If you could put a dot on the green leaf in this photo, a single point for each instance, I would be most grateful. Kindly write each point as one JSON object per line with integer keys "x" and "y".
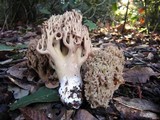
{"x": 90, "y": 25}
{"x": 44, "y": 11}
{"x": 4, "y": 47}
{"x": 114, "y": 7}
{"x": 42, "y": 95}
{"x": 20, "y": 46}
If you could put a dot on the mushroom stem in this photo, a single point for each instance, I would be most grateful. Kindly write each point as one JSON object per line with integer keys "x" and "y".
{"x": 69, "y": 76}
{"x": 71, "y": 91}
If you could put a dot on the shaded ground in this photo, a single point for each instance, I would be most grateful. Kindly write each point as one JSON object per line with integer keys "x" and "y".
{"x": 138, "y": 98}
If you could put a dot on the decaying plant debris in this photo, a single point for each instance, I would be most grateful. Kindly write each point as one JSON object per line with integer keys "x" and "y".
{"x": 138, "y": 99}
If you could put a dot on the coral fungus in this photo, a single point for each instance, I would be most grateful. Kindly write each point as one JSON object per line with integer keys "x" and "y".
{"x": 66, "y": 43}
{"x": 103, "y": 75}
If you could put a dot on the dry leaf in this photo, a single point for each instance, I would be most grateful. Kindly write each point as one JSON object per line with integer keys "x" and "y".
{"x": 6, "y": 61}
{"x": 138, "y": 74}
{"x": 17, "y": 73}
{"x": 142, "y": 20}
{"x": 33, "y": 114}
{"x": 136, "y": 108}
{"x": 20, "y": 117}
{"x": 84, "y": 115}
{"x": 141, "y": 10}
{"x": 138, "y": 104}
{"x": 54, "y": 111}
{"x": 29, "y": 34}
{"x": 67, "y": 115}
{"x": 18, "y": 70}
{"x": 22, "y": 84}
{"x": 150, "y": 56}
{"x": 18, "y": 92}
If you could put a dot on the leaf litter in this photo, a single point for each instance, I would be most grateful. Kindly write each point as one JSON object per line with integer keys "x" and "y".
{"x": 138, "y": 74}
{"x": 138, "y": 98}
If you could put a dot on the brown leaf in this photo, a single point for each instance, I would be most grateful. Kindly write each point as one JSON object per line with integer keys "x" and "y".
{"x": 6, "y": 61}
{"x": 67, "y": 115}
{"x": 17, "y": 73}
{"x": 3, "y": 55}
{"x": 22, "y": 84}
{"x": 139, "y": 104}
{"x": 141, "y": 10}
{"x": 138, "y": 74}
{"x": 137, "y": 108}
{"x": 54, "y": 111}
{"x": 29, "y": 34}
{"x": 142, "y": 20}
{"x": 18, "y": 70}
{"x": 33, "y": 114}
{"x": 84, "y": 115}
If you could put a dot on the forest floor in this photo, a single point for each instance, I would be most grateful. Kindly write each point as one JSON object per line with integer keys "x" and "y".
{"x": 138, "y": 98}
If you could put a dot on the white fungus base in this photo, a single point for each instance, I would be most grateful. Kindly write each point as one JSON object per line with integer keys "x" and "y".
{"x": 71, "y": 91}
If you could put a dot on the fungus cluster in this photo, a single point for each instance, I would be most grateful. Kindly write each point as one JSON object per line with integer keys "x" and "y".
{"x": 67, "y": 44}
{"x": 62, "y": 49}
{"x": 103, "y": 75}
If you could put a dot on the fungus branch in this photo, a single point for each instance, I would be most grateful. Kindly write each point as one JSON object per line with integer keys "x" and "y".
{"x": 68, "y": 45}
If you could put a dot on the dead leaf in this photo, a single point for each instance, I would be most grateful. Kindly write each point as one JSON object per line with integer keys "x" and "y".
{"x": 138, "y": 104}
{"x": 4, "y": 55}
{"x": 142, "y": 20}
{"x": 17, "y": 73}
{"x": 20, "y": 117}
{"x": 136, "y": 108}
{"x": 67, "y": 115}
{"x": 18, "y": 70}
{"x": 84, "y": 115}
{"x": 141, "y": 10}
{"x": 18, "y": 92}
{"x": 22, "y": 84}
{"x": 150, "y": 56}
{"x": 138, "y": 74}
{"x": 29, "y": 34}
{"x": 54, "y": 111}
{"x": 33, "y": 114}
{"x": 132, "y": 114}
{"x": 6, "y": 61}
